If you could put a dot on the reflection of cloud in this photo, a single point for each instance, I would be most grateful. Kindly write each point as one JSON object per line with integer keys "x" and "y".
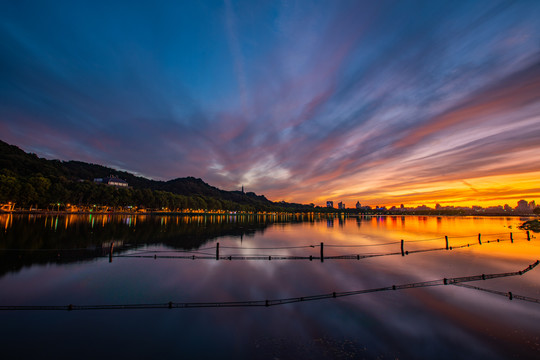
{"x": 356, "y": 101}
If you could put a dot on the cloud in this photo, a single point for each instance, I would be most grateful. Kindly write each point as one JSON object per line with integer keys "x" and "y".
{"x": 301, "y": 101}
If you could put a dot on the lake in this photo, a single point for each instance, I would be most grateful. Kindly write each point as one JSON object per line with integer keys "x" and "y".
{"x": 50, "y": 261}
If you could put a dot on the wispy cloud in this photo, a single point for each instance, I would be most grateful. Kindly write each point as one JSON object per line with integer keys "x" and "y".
{"x": 379, "y": 102}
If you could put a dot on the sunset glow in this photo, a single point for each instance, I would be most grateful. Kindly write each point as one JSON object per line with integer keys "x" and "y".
{"x": 385, "y": 103}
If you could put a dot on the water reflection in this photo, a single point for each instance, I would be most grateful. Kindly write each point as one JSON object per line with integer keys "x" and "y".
{"x": 443, "y": 322}
{"x": 29, "y": 239}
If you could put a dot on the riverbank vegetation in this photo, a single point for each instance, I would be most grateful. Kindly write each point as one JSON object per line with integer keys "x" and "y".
{"x": 31, "y": 182}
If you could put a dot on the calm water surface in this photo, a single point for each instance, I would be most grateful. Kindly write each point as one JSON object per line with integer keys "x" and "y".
{"x": 65, "y": 260}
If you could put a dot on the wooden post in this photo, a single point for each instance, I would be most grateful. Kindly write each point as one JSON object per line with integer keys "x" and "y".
{"x": 511, "y": 238}
{"x": 480, "y": 239}
{"x": 446, "y": 237}
{"x": 402, "y": 253}
{"x": 528, "y": 236}
{"x": 111, "y": 252}
{"x": 322, "y": 252}
{"x": 217, "y": 251}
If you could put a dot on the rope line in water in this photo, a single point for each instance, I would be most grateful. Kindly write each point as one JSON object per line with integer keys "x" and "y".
{"x": 475, "y": 235}
{"x": 260, "y": 257}
{"x": 275, "y": 302}
{"x": 362, "y": 245}
{"x": 201, "y": 251}
{"x": 311, "y": 258}
{"x": 509, "y": 294}
{"x": 442, "y": 238}
{"x": 199, "y": 254}
{"x": 269, "y": 248}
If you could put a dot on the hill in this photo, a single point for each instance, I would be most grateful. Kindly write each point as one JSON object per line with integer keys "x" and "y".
{"x": 31, "y": 181}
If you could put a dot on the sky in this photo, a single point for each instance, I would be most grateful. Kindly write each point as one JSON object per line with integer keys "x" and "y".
{"x": 381, "y": 102}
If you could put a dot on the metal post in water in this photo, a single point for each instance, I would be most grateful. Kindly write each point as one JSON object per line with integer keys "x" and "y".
{"x": 511, "y": 238}
{"x": 528, "y": 236}
{"x": 322, "y": 252}
{"x": 217, "y": 251}
{"x": 402, "y": 252}
{"x": 480, "y": 239}
{"x": 111, "y": 251}
{"x": 446, "y": 237}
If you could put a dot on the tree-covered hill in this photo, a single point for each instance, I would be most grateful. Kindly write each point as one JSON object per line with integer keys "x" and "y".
{"x": 29, "y": 181}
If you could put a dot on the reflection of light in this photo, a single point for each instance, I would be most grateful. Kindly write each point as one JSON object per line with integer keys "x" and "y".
{"x": 460, "y": 231}
{"x": 6, "y": 220}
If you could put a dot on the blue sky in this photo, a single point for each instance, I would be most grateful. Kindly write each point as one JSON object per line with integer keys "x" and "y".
{"x": 383, "y": 102}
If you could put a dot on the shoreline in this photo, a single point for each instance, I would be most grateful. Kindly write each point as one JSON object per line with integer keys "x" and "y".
{"x": 235, "y": 213}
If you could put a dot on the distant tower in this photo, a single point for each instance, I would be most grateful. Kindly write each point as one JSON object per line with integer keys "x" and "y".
{"x": 243, "y": 189}
{"x": 329, "y": 204}
{"x": 358, "y": 206}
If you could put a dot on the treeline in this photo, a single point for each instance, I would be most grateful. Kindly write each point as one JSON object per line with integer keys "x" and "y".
{"x": 29, "y": 181}
{"x": 42, "y": 192}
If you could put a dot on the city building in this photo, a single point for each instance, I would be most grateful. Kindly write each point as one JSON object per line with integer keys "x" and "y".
{"x": 341, "y": 206}
{"x": 522, "y": 205}
{"x": 358, "y": 206}
{"x": 329, "y": 204}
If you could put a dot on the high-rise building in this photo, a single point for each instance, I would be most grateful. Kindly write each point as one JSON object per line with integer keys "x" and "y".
{"x": 341, "y": 206}
{"x": 329, "y": 204}
{"x": 358, "y": 206}
{"x": 522, "y": 205}
{"x": 532, "y": 205}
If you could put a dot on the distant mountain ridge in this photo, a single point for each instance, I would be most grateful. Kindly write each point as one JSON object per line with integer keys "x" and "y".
{"x": 26, "y": 167}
